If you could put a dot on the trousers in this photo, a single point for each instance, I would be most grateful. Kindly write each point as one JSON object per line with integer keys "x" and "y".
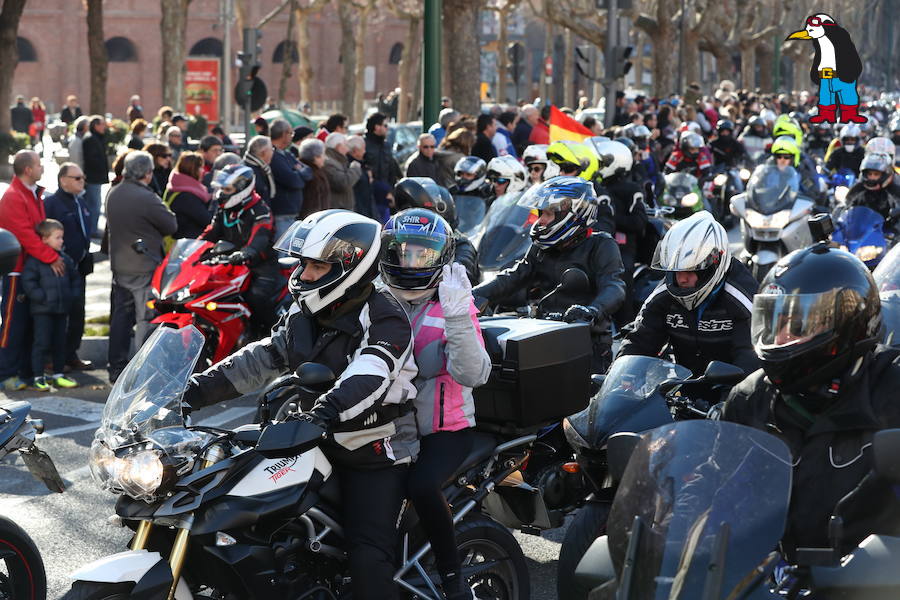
{"x": 15, "y": 331}
{"x": 128, "y": 308}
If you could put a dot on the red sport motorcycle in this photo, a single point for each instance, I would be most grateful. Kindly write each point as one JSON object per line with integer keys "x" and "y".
{"x": 196, "y": 285}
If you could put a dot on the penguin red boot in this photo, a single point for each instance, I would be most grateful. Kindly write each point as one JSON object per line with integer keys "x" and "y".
{"x": 850, "y": 114}
{"x": 827, "y": 114}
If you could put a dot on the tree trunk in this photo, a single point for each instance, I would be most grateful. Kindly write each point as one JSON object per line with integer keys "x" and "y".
{"x": 801, "y": 74}
{"x": 173, "y": 28}
{"x": 288, "y": 55}
{"x": 663, "y": 42}
{"x": 359, "y": 96}
{"x": 97, "y": 55}
{"x": 748, "y": 62}
{"x": 10, "y": 15}
{"x": 723, "y": 64}
{"x": 348, "y": 57}
{"x": 548, "y": 51}
{"x": 409, "y": 89}
{"x": 691, "y": 57}
{"x": 304, "y": 67}
{"x": 461, "y": 26}
{"x": 502, "y": 58}
{"x": 764, "y": 58}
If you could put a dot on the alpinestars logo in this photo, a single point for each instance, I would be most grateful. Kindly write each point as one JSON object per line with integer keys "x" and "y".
{"x": 675, "y": 321}
{"x": 715, "y": 325}
{"x": 281, "y": 468}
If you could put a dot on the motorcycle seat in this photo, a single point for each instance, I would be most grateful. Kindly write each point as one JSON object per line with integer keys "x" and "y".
{"x": 483, "y": 445}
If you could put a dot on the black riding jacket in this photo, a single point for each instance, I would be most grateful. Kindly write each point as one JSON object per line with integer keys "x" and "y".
{"x": 831, "y": 449}
{"x": 250, "y": 229}
{"x": 841, "y": 159}
{"x": 717, "y": 330}
{"x": 467, "y": 256}
{"x": 881, "y": 201}
{"x": 726, "y": 151}
{"x": 630, "y": 212}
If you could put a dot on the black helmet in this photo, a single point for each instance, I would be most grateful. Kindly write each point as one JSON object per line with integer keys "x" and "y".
{"x": 9, "y": 251}
{"x": 725, "y": 124}
{"x": 415, "y": 245}
{"x": 816, "y": 312}
{"x": 423, "y": 192}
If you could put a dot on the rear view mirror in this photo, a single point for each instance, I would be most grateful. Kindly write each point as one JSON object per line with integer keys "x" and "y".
{"x": 885, "y": 450}
{"x": 574, "y": 281}
{"x": 310, "y": 374}
{"x": 721, "y": 372}
{"x": 223, "y": 247}
{"x": 618, "y": 450}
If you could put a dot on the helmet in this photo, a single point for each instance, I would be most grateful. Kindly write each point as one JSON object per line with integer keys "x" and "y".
{"x": 697, "y": 244}
{"x": 615, "y": 159}
{"x": 632, "y": 147}
{"x": 537, "y": 153}
{"x": 640, "y": 134}
{"x": 473, "y": 166}
{"x": 882, "y": 163}
{"x": 347, "y": 240}
{"x": 507, "y": 169}
{"x": 786, "y": 126}
{"x": 573, "y": 155}
{"x": 690, "y": 145}
{"x": 767, "y": 115}
{"x": 9, "y": 251}
{"x": 786, "y": 145}
{"x": 757, "y": 122}
{"x": 234, "y": 185}
{"x": 415, "y": 245}
{"x": 817, "y": 310}
{"x": 423, "y": 192}
{"x": 850, "y": 134}
{"x": 881, "y": 145}
{"x": 573, "y": 201}
{"x": 687, "y": 127}
{"x": 725, "y": 124}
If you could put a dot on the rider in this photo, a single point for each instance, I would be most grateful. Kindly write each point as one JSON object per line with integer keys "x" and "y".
{"x": 417, "y": 266}
{"x": 507, "y": 175}
{"x": 755, "y": 137}
{"x": 825, "y": 388}
{"x": 539, "y": 168}
{"x": 649, "y": 167}
{"x": 243, "y": 219}
{"x": 562, "y": 238}
{"x": 364, "y": 337}
{"x": 726, "y": 150}
{"x": 850, "y": 153}
{"x": 575, "y": 159}
{"x": 818, "y": 139}
{"x": 785, "y": 147}
{"x": 422, "y": 192}
{"x": 811, "y": 182}
{"x": 692, "y": 156}
{"x": 702, "y": 308}
{"x": 469, "y": 177}
{"x": 877, "y": 188}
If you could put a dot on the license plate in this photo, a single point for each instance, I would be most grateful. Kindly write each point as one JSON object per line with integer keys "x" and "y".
{"x": 41, "y": 466}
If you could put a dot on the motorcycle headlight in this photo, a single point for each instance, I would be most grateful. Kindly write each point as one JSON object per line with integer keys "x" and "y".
{"x": 757, "y": 220}
{"x": 720, "y": 179}
{"x": 840, "y": 193}
{"x": 690, "y": 199}
{"x": 745, "y": 174}
{"x": 139, "y": 475}
{"x": 867, "y": 253}
{"x": 572, "y": 436}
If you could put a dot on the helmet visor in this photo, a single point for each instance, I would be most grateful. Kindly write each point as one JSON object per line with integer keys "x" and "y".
{"x": 675, "y": 261}
{"x": 413, "y": 250}
{"x": 332, "y": 249}
{"x": 782, "y": 320}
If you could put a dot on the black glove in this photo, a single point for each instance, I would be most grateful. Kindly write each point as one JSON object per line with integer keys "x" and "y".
{"x": 309, "y": 418}
{"x": 240, "y": 257}
{"x": 481, "y": 303}
{"x": 190, "y": 399}
{"x": 578, "y": 312}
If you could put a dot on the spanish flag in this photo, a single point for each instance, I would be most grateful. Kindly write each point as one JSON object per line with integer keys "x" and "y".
{"x": 564, "y": 127}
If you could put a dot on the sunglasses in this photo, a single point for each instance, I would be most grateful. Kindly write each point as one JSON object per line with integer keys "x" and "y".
{"x": 536, "y": 168}
{"x": 783, "y": 157}
{"x": 428, "y": 147}
{"x": 75, "y": 177}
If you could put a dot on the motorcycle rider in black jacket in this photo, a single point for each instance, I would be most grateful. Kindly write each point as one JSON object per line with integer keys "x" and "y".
{"x": 702, "y": 308}
{"x": 825, "y": 388}
{"x": 850, "y": 153}
{"x": 364, "y": 337}
{"x": 562, "y": 238}
{"x": 876, "y": 188}
{"x": 726, "y": 150}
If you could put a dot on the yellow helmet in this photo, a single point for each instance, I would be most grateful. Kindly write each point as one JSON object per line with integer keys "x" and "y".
{"x": 785, "y": 125}
{"x": 786, "y": 145}
{"x": 567, "y": 153}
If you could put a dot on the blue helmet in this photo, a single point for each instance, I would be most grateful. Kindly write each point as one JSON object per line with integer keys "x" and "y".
{"x": 415, "y": 245}
{"x": 574, "y": 203}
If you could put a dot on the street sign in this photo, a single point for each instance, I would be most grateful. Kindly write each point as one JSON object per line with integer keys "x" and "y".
{"x": 548, "y": 66}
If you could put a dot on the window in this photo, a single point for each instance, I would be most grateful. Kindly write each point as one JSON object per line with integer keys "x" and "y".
{"x": 207, "y": 47}
{"x": 278, "y": 55}
{"x": 396, "y": 54}
{"x": 121, "y": 49}
{"x": 26, "y": 50}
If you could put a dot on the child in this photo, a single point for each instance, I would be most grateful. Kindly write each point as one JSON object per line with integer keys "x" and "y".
{"x": 51, "y": 296}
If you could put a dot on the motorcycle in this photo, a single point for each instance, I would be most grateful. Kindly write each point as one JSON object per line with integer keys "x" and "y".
{"x": 196, "y": 285}
{"x": 864, "y": 233}
{"x": 726, "y": 183}
{"x": 839, "y": 184}
{"x": 504, "y": 236}
{"x": 683, "y": 195}
{"x": 773, "y": 217}
{"x": 639, "y": 393}
{"x": 645, "y": 279}
{"x": 887, "y": 277}
{"x": 22, "y": 576}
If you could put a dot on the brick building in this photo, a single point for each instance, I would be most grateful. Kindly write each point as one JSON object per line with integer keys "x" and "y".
{"x": 53, "y": 54}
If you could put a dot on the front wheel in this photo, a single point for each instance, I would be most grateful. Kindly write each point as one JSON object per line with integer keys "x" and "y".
{"x": 493, "y": 556}
{"x": 22, "y": 574}
{"x": 589, "y": 524}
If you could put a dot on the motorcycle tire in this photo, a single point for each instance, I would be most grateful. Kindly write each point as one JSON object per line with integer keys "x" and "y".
{"x": 25, "y": 578}
{"x": 483, "y": 540}
{"x": 589, "y": 524}
{"x": 89, "y": 590}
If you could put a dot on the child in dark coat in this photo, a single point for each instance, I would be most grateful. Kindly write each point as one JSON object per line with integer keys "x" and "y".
{"x": 51, "y": 297}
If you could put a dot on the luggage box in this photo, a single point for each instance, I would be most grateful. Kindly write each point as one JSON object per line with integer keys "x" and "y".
{"x": 540, "y": 373}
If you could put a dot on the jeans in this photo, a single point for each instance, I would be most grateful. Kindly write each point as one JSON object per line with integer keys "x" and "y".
{"x": 834, "y": 91}
{"x": 128, "y": 307}
{"x": 92, "y": 202}
{"x": 75, "y": 327}
{"x": 371, "y": 501}
{"x": 282, "y": 223}
{"x": 15, "y": 331}
{"x": 49, "y": 338}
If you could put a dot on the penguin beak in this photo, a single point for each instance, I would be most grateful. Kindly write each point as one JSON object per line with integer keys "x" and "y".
{"x": 799, "y": 35}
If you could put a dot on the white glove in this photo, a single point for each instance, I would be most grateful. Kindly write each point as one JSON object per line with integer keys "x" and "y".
{"x": 455, "y": 291}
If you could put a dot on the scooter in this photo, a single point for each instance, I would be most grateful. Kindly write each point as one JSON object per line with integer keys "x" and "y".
{"x": 23, "y": 576}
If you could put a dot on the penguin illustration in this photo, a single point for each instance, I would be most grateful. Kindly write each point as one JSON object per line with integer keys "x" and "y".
{"x": 836, "y": 67}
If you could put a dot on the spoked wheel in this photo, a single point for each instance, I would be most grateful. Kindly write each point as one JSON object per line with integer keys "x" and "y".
{"x": 22, "y": 574}
{"x": 493, "y": 556}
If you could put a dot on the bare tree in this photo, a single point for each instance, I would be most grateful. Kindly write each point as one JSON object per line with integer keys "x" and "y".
{"x": 364, "y": 10}
{"x": 464, "y": 62}
{"x": 173, "y": 28}
{"x": 97, "y": 55}
{"x": 348, "y": 56}
{"x": 504, "y": 9}
{"x": 10, "y": 15}
{"x": 305, "y": 9}
{"x": 287, "y": 57}
{"x": 753, "y": 23}
{"x": 658, "y": 23}
{"x": 411, "y": 11}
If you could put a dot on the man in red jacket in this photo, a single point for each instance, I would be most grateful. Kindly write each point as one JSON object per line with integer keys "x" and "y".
{"x": 21, "y": 209}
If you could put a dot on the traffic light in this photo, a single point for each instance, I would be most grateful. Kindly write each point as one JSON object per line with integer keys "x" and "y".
{"x": 247, "y": 88}
{"x": 620, "y": 64}
{"x": 516, "y": 54}
{"x": 583, "y": 61}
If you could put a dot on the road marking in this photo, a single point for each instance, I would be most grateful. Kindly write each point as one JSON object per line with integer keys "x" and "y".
{"x": 67, "y": 430}
{"x": 230, "y": 414}
{"x": 73, "y": 408}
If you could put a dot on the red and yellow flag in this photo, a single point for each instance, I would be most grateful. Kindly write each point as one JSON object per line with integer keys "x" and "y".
{"x": 564, "y": 127}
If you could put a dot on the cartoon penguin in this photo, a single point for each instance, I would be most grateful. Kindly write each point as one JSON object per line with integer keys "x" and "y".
{"x": 836, "y": 67}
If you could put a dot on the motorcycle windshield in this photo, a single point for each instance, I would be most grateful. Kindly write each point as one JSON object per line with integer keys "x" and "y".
{"x": 506, "y": 233}
{"x": 470, "y": 211}
{"x": 771, "y": 189}
{"x": 146, "y": 398}
{"x": 712, "y": 498}
{"x": 859, "y": 223}
{"x": 627, "y": 400}
{"x": 180, "y": 252}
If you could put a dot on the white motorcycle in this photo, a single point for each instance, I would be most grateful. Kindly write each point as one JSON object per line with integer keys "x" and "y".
{"x": 773, "y": 217}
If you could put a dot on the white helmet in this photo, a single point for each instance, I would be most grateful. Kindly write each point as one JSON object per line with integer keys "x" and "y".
{"x": 698, "y": 244}
{"x": 615, "y": 158}
{"x": 881, "y": 145}
{"x": 537, "y": 153}
{"x": 469, "y": 172}
{"x": 508, "y": 168}
{"x": 347, "y": 240}
{"x": 233, "y": 185}
{"x": 852, "y": 131}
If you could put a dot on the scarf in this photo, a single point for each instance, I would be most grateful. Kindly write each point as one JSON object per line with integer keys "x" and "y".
{"x": 179, "y": 182}
{"x": 254, "y": 161}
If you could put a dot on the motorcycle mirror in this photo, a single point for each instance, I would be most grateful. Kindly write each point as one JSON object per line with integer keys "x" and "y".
{"x": 290, "y": 438}
{"x": 821, "y": 227}
{"x": 139, "y": 246}
{"x": 619, "y": 448}
{"x": 223, "y": 247}
{"x": 721, "y": 372}
{"x": 574, "y": 281}
{"x": 312, "y": 374}
{"x": 885, "y": 449}
{"x": 670, "y": 384}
